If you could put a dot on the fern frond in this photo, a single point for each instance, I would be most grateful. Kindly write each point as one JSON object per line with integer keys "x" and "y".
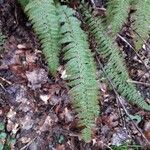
{"x": 117, "y": 13}
{"x": 2, "y": 38}
{"x": 115, "y": 68}
{"x": 23, "y": 3}
{"x": 81, "y": 70}
{"x": 43, "y": 15}
{"x": 141, "y": 23}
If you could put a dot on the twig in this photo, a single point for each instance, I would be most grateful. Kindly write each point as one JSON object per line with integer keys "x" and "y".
{"x": 28, "y": 144}
{"x": 106, "y": 145}
{"x": 93, "y": 3}
{"x": 120, "y": 101}
{"x": 121, "y": 115}
{"x": 123, "y": 119}
{"x": 5, "y": 80}
{"x": 138, "y": 82}
{"x": 2, "y": 86}
{"x": 123, "y": 39}
{"x": 95, "y": 7}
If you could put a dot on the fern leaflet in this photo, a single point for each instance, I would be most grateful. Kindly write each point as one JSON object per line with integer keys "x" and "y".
{"x": 44, "y": 17}
{"x": 115, "y": 67}
{"x": 141, "y": 22}
{"x": 117, "y": 13}
{"x": 2, "y": 37}
{"x": 81, "y": 71}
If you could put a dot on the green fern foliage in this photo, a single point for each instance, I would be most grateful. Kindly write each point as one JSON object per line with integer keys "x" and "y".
{"x": 115, "y": 67}
{"x": 23, "y": 3}
{"x": 2, "y": 38}
{"x": 81, "y": 70}
{"x": 43, "y": 14}
{"x": 117, "y": 13}
{"x": 141, "y": 23}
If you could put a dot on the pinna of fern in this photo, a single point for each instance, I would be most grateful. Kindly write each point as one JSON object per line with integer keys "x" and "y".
{"x": 115, "y": 67}
{"x": 43, "y": 14}
{"x": 117, "y": 13}
{"x": 2, "y": 37}
{"x": 81, "y": 71}
{"x": 141, "y": 22}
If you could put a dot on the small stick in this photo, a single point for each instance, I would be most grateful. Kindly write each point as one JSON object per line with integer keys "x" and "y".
{"x": 142, "y": 39}
{"x": 138, "y": 82}
{"x": 28, "y": 144}
{"x": 2, "y": 86}
{"x": 93, "y": 3}
{"x": 123, "y": 39}
{"x": 5, "y": 80}
{"x": 106, "y": 145}
{"x": 120, "y": 101}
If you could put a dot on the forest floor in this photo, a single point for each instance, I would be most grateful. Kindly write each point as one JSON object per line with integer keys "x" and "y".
{"x": 36, "y": 110}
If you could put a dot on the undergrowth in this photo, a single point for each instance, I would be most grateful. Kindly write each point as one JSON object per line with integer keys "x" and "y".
{"x": 57, "y": 26}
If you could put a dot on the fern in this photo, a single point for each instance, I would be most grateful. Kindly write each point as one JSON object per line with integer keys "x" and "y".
{"x": 81, "y": 70}
{"x": 80, "y": 66}
{"x": 117, "y": 13}
{"x": 115, "y": 68}
{"x": 44, "y": 17}
{"x": 23, "y": 3}
{"x": 141, "y": 22}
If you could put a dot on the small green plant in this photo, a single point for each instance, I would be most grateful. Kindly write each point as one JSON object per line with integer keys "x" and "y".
{"x": 5, "y": 139}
